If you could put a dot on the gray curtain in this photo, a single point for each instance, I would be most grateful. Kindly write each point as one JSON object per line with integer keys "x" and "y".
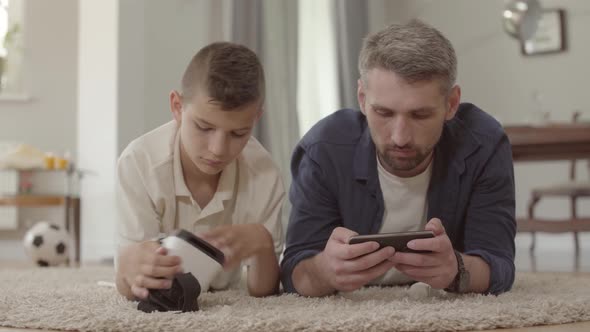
{"x": 269, "y": 27}
{"x": 352, "y": 25}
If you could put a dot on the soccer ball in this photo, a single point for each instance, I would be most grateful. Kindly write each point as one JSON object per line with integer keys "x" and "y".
{"x": 47, "y": 244}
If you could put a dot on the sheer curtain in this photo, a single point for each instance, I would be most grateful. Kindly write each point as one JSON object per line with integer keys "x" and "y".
{"x": 269, "y": 27}
{"x": 317, "y": 75}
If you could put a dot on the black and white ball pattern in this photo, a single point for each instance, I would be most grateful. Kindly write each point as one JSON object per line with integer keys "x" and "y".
{"x": 47, "y": 244}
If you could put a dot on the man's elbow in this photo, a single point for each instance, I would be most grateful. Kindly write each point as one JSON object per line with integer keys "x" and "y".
{"x": 502, "y": 276}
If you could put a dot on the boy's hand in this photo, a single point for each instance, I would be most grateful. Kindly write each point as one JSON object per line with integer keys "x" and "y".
{"x": 146, "y": 265}
{"x": 239, "y": 242}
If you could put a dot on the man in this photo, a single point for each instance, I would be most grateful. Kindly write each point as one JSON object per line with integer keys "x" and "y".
{"x": 413, "y": 158}
{"x": 205, "y": 173}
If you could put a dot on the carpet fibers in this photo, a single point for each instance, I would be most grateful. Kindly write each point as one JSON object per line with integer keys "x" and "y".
{"x": 73, "y": 299}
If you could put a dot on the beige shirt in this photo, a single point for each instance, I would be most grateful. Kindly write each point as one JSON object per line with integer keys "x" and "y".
{"x": 405, "y": 210}
{"x": 154, "y": 198}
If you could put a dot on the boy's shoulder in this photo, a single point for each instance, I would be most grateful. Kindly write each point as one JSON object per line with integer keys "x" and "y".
{"x": 153, "y": 148}
{"x": 257, "y": 159}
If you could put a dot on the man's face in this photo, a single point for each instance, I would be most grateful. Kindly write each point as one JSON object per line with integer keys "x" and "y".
{"x": 211, "y": 137}
{"x": 405, "y": 120}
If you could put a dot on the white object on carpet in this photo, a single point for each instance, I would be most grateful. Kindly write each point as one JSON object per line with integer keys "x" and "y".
{"x": 71, "y": 299}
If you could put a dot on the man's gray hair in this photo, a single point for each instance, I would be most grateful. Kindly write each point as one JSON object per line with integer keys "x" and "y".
{"x": 415, "y": 51}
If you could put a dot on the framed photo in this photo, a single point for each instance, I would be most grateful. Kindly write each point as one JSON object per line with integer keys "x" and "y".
{"x": 550, "y": 34}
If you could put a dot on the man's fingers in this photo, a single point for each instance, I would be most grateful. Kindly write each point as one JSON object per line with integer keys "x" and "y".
{"x": 363, "y": 277}
{"x": 436, "y": 226}
{"x": 436, "y": 244}
{"x": 351, "y": 251}
{"x": 418, "y": 272}
{"x": 416, "y": 260}
{"x": 368, "y": 261}
{"x": 341, "y": 234}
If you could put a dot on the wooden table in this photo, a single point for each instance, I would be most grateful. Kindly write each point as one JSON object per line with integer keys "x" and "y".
{"x": 552, "y": 142}
{"x": 546, "y": 143}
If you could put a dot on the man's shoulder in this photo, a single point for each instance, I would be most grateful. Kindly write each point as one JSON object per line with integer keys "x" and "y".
{"x": 341, "y": 128}
{"x": 472, "y": 132}
{"x": 153, "y": 148}
{"x": 480, "y": 124}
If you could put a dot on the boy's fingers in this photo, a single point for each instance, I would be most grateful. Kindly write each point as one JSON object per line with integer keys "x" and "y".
{"x": 139, "y": 292}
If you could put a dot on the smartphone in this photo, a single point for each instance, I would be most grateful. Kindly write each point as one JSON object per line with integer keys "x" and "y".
{"x": 399, "y": 241}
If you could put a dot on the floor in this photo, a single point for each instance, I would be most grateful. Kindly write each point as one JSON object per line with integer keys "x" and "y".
{"x": 543, "y": 261}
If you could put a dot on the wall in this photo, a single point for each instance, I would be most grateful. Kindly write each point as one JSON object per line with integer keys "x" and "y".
{"x": 495, "y": 76}
{"x": 169, "y": 47}
{"x": 136, "y": 62}
{"x": 97, "y": 124}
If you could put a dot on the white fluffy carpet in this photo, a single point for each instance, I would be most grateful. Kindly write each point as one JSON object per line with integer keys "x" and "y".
{"x": 71, "y": 299}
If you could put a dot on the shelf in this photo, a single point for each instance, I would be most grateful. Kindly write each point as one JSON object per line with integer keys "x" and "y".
{"x": 32, "y": 200}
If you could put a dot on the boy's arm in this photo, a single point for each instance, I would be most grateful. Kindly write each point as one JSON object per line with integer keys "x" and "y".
{"x": 137, "y": 222}
{"x": 251, "y": 242}
{"x": 263, "y": 270}
{"x": 259, "y": 242}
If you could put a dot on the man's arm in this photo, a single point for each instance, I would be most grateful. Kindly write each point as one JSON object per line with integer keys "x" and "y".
{"x": 318, "y": 259}
{"x": 314, "y": 214}
{"x": 307, "y": 280}
{"x": 488, "y": 238}
{"x": 439, "y": 267}
{"x": 341, "y": 266}
{"x": 490, "y": 225}
{"x": 479, "y": 273}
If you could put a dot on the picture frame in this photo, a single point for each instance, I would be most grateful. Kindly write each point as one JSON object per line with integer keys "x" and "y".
{"x": 550, "y": 34}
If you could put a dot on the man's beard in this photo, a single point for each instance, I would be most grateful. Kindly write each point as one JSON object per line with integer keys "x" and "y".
{"x": 393, "y": 163}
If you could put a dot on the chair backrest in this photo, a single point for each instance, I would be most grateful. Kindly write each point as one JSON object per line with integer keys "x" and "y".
{"x": 575, "y": 119}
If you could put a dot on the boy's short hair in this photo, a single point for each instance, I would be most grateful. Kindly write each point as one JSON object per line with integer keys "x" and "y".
{"x": 230, "y": 74}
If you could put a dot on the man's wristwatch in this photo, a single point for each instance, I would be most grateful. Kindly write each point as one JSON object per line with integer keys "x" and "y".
{"x": 461, "y": 282}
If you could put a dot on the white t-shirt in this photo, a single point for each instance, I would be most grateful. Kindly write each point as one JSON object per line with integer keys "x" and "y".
{"x": 153, "y": 197}
{"x": 405, "y": 210}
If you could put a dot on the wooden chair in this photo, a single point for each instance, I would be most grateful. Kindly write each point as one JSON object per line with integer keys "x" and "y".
{"x": 574, "y": 189}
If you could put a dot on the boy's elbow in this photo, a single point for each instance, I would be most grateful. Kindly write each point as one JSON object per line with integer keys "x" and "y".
{"x": 258, "y": 290}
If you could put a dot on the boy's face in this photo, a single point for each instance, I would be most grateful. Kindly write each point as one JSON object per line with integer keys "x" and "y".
{"x": 211, "y": 137}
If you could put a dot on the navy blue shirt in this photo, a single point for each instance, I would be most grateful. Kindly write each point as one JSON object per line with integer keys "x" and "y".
{"x": 336, "y": 183}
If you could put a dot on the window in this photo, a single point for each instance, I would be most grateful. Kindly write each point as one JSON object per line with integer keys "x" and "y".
{"x": 11, "y": 33}
{"x": 317, "y": 77}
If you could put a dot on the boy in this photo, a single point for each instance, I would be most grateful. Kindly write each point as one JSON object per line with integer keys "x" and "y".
{"x": 203, "y": 172}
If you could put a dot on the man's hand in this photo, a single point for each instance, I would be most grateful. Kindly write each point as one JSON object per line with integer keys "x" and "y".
{"x": 439, "y": 268}
{"x": 144, "y": 266}
{"x": 347, "y": 267}
{"x": 239, "y": 242}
